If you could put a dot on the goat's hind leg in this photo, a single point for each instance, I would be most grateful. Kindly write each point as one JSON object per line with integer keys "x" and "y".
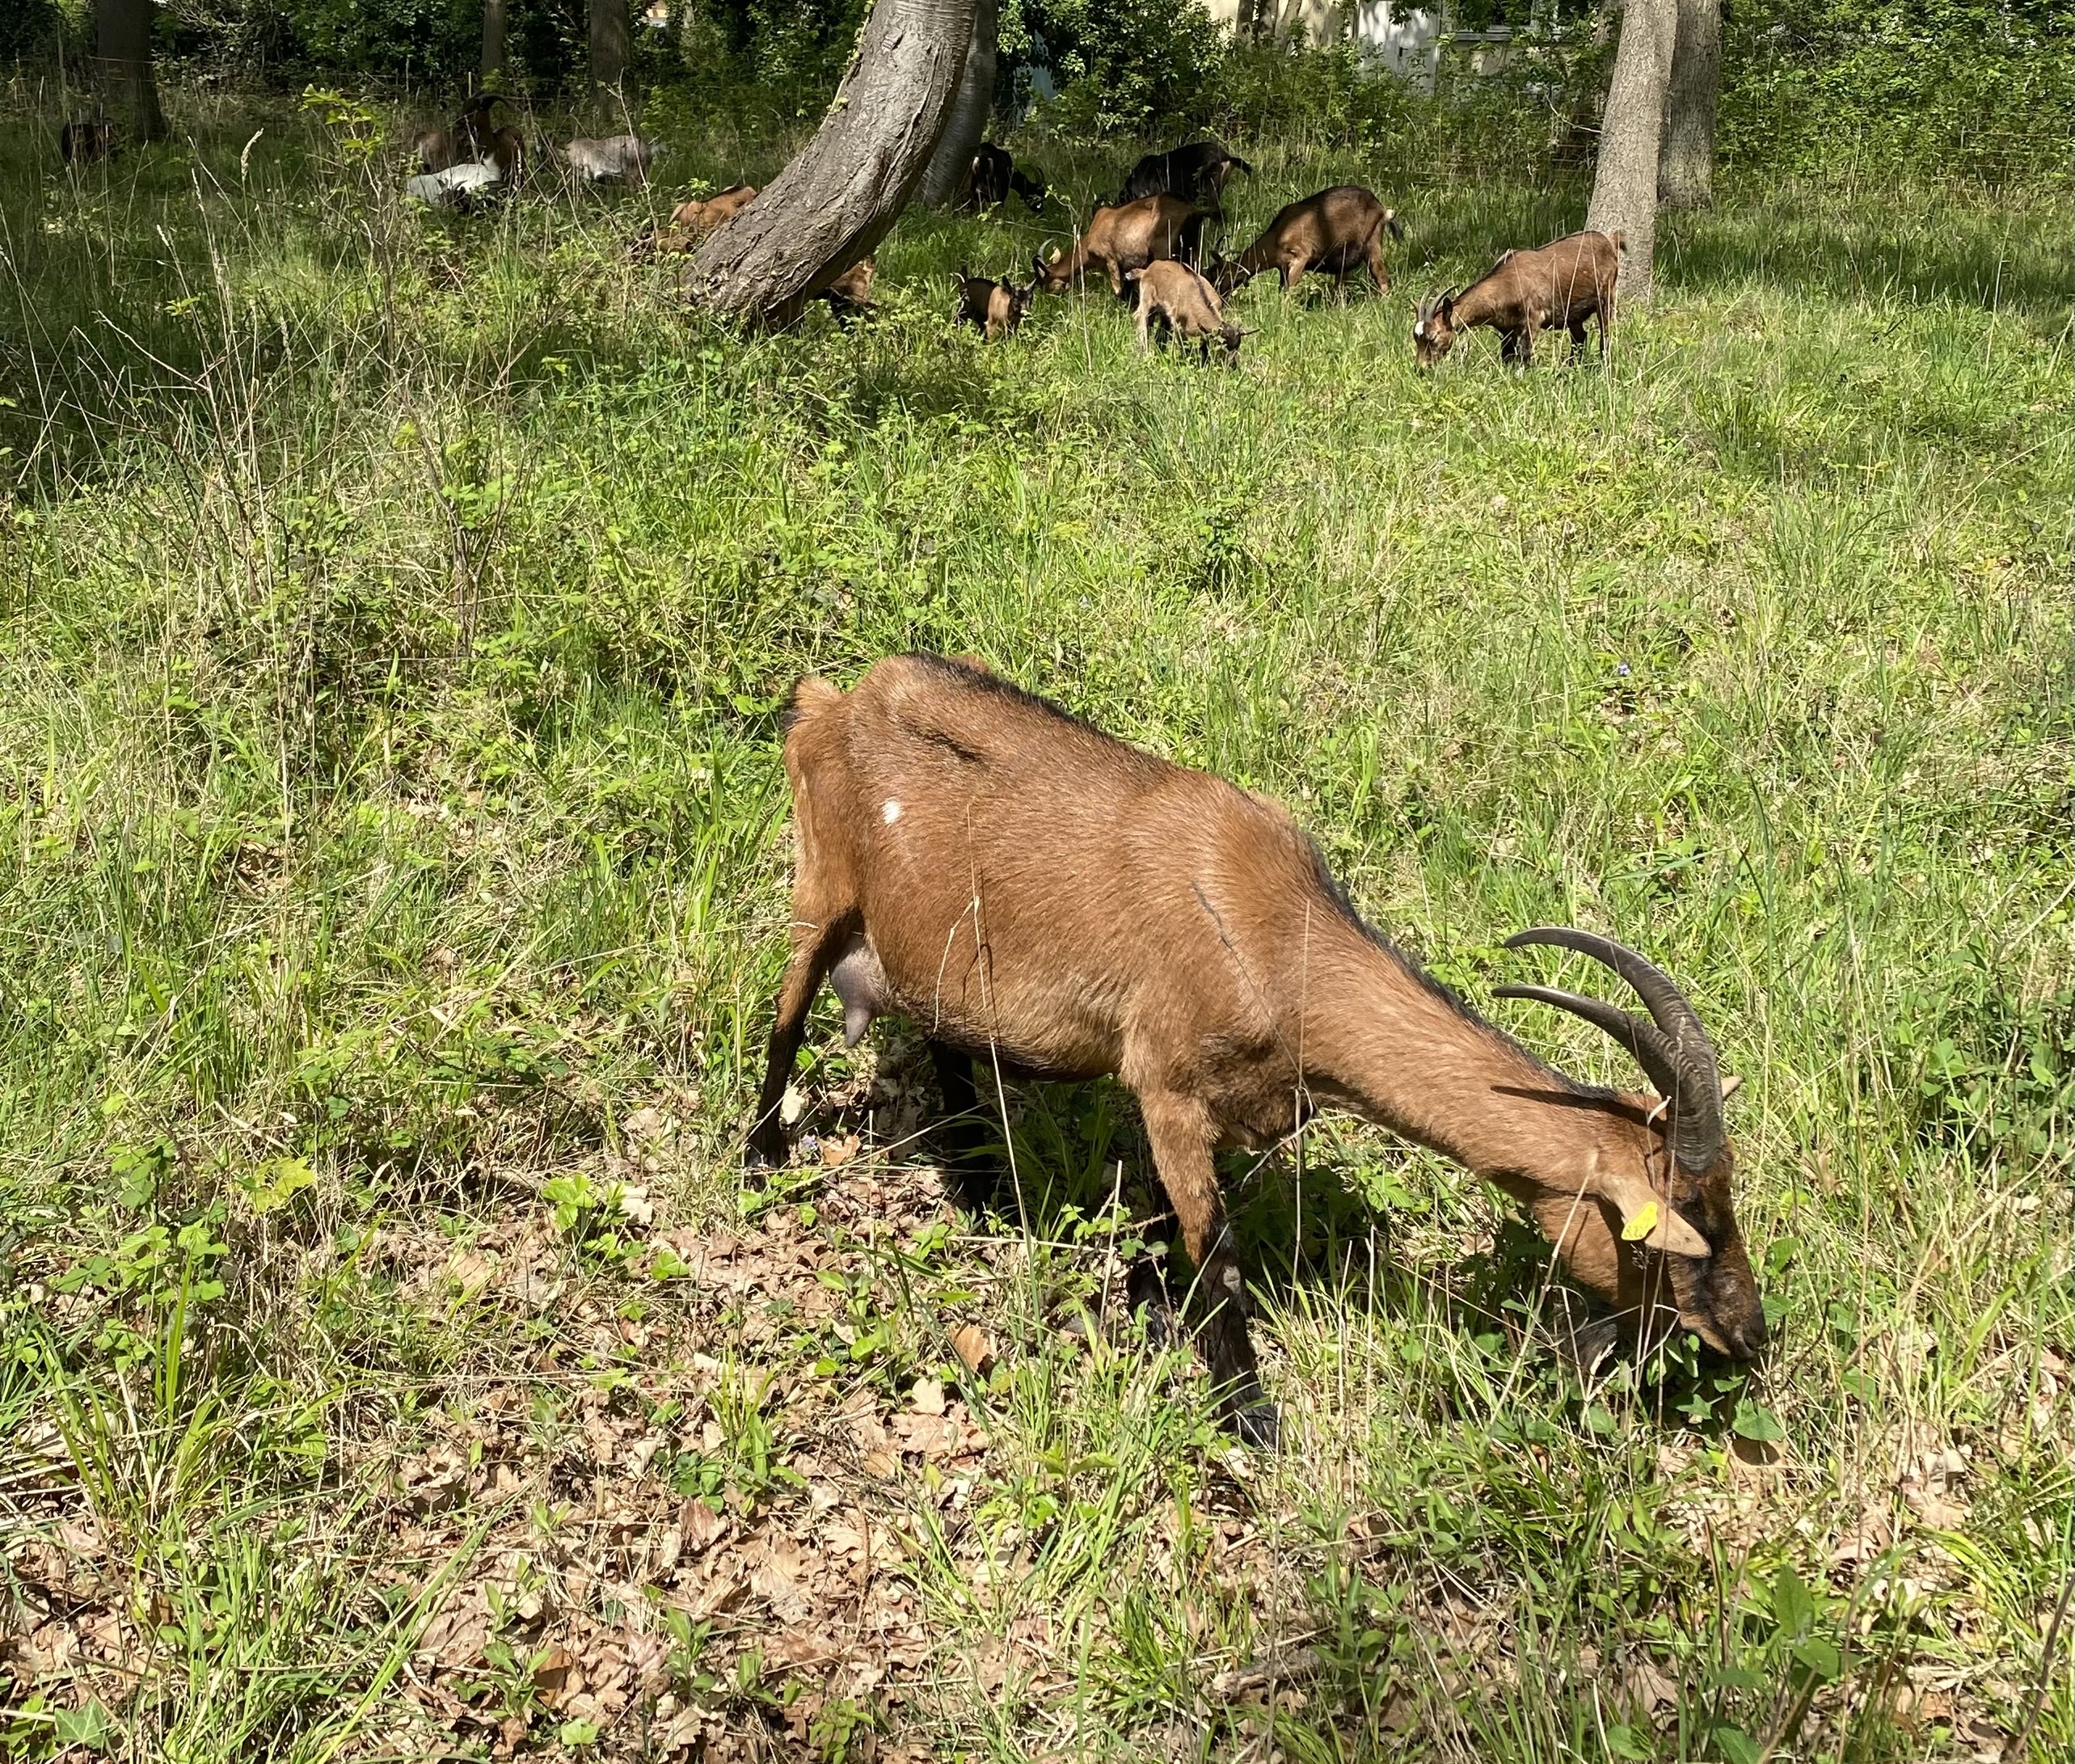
{"x": 814, "y": 953}
{"x": 969, "y": 1155}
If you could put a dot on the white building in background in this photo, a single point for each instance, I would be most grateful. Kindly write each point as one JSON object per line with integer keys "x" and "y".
{"x": 1407, "y": 39}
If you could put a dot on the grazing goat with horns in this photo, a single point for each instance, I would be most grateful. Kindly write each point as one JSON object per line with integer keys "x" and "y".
{"x": 1034, "y": 893}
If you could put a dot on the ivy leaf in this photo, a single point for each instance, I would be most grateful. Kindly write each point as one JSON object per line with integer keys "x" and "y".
{"x": 1754, "y": 1423}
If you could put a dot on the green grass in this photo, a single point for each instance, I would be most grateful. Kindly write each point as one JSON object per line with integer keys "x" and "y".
{"x": 394, "y": 613}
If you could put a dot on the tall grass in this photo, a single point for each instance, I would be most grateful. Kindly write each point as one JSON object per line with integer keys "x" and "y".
{"x": 397, "y": 610}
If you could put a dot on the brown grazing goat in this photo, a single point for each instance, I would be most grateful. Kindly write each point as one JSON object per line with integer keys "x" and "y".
{"x": 699, "y": 218}
{"x": 1562, "y": 283}
{"x": 1042, "y": 898}
{"x": 474, "y": 136}
{"x": 1336, "y": 231}
{"x": 1127, "y": 238}
{"x": 1183, "y": 305}
{"x": 994, "y": 309}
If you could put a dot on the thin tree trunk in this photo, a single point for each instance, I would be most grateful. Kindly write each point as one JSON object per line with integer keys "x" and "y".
{"x": 1624, "y": 186}
{"x": 1686, "y": 158}
{"x": 495, "y": 17}
{"x": 123, "y": 33}
{"x": 609, "y": 41}
{"x": 945, "y": 181}
{"x": 842, "y": 193}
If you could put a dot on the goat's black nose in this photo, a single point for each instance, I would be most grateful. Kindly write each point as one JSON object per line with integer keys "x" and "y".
{"x": 1752, "y": 1336}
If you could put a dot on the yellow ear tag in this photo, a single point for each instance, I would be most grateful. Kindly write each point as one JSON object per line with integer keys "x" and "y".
{"x": 1639, "y": 1227}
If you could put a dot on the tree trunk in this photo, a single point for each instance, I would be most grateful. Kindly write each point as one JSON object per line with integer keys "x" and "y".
{"x": 1685, "y": 159}
{"x": 123, "y": 33}
{"x": 945, "y": 181}
{"x": 842, "y": 193}
{"x": 496, "y": 16}
{"x": 609, "y": 41}
{"x": 1625, "y": 188}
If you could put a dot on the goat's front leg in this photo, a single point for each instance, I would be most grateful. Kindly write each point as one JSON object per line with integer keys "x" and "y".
{"x": 1184, "y": 1140}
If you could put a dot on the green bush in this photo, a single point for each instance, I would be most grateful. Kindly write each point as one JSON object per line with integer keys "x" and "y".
{"x": 1982, "y": 88}
{"x": 1122, "y": 66}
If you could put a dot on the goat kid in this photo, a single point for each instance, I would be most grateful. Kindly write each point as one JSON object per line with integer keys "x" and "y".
{"x": 1174, "y": 297}
{"x": 1118, "y": 239}
{"x": 849, "y": 295}
{"x": 1336, "y": 232}
{"x": 1526, "y": 293}
{"x": 994, "y": 309}
{"x": 1035, "y": 894}
{"x": 1197, "y": 173}
{"x": 628, "y": 157}
{"x": 699, "y": 218}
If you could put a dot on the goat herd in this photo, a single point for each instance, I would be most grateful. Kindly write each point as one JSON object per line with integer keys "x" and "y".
{"x": 1152, "y": 243}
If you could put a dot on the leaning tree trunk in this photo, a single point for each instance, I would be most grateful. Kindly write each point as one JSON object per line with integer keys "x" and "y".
{"x": 1625, "y": 188}
{"x": 1685, "y": 157}
{"x": 496, "y": 19}
{"x": 841, "y": 194}
{"x": 123, "y": 33}
{"x": 609, "y": 41}
{"x": 945, "y": 181}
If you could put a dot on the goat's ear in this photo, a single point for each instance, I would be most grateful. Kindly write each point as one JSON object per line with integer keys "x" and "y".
{"x": 1731, "y": 1085}
{"x": 1644, "y": 1215}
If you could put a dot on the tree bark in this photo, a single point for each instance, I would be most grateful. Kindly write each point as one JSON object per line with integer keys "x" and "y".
{"x": 609, "y": 45}
{"x": 841, "y": 194}
{"x": 495, "y": 17}
{"x": 122, "y": 30}
{"x": 945, "y": 181}
{"x": 1624, "y": 186}
{"x": 1686, "y": 158}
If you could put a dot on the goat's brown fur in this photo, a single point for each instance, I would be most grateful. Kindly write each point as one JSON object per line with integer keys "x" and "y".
{"x": 1118, "y": 239}
{"x": 992, "y": 308}
{"x": 1030, "y": 891}
{"x": 1560, "y": 285}
{"x": 1181, "y": 304}
{"x": 1335, "y": 232}
{"x": 699, "y": 218}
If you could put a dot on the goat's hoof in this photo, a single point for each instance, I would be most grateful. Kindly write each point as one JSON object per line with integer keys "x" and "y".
{"x": 1259, "y": 1426}
{"x": 765, "y": 1153}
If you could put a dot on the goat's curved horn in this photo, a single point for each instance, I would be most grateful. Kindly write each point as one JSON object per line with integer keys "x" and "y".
{"x": 1651, "y": 1050}
{"x": 1695, "y": 1091}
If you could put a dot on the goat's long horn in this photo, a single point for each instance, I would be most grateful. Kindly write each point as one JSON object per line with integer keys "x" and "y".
{"x": 1695, "y": 1089}
{"x": 1651, "y": 1050}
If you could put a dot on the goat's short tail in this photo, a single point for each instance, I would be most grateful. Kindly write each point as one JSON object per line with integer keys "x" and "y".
{"x": 810, "y": 695}
{"x": 1620, "y": 240}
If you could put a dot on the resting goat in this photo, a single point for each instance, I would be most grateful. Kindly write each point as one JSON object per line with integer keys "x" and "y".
{"x": 474, "y": 138}
{"x": 994, "y": 309}
{"x": 1034, "y": 893}
{"x": 1123, "y": 238}
{"x": 1336, "y": 231}
{"x": 1524, "y": 292}
{"x": 699, "y": 218}
{"x": 1183, "y": 305}
{"x": 994, "y": 176}
{"x": 618, "y": 156}
{"x": 1196, "y": 173}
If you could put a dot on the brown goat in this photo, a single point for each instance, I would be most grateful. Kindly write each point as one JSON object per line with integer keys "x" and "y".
{"x": 1183, "y": 305}
{"x": 1337, "y": 231}
{"x": 700, "y": 218}
{"x": 1524, "y": 292}
{"x": 994, "y": 309}
{"x": 1117, "y": 239}
{"x": 1040, "y": 897}
{"x": 849, "y": 295}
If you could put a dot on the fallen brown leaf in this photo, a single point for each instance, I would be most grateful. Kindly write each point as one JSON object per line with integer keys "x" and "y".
{"x": 974, "y": 1347}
